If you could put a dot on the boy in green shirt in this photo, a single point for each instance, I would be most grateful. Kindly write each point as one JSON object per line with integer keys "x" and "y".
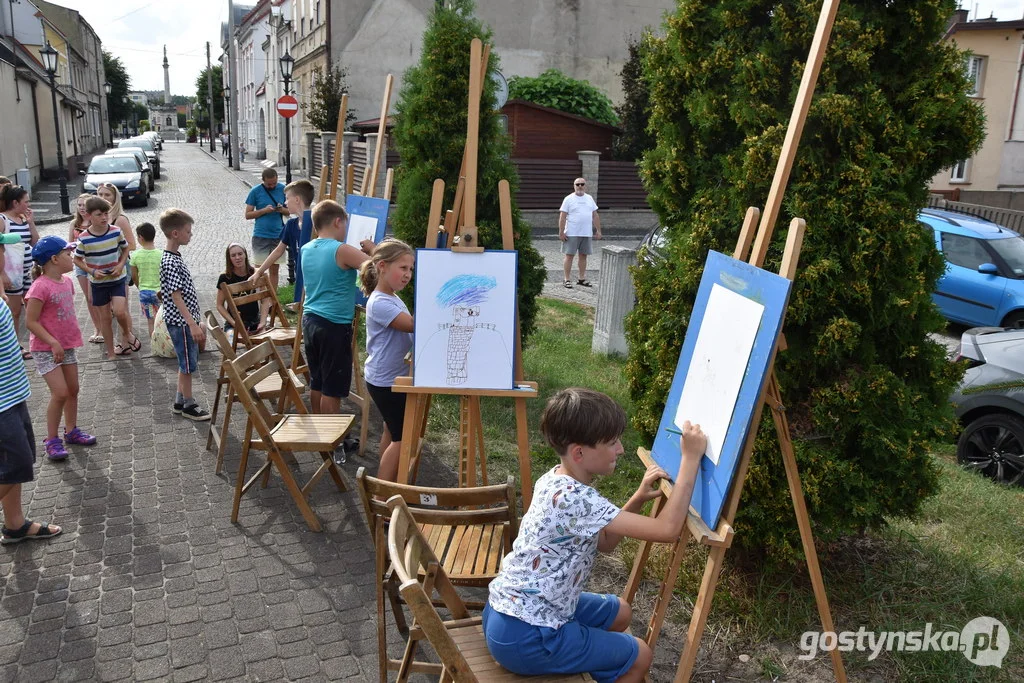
{"x": 146, "y": 272}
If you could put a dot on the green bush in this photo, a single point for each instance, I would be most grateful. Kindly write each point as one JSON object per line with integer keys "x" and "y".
{"x": 558, "y": 91}
{"x": 325, "y": 99}
{"x": 430, "y": 132}
{"x": 635, "y": 111}
{"x": 865, "y": 389}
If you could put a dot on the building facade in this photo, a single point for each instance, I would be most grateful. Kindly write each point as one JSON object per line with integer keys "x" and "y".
{"x": 994, "y": 68}
{"x": 251, "y": 35}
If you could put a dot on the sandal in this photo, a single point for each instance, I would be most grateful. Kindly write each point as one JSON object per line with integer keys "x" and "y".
{"x": 43, "y": 533}
{"x": 137, "y": 344}
{"x": 25, "y": 355}
{"x": 584, "y": 283}
{"x": 120, "y": 350}
{"x": 567, "y": 284}
{"x": 96, "y": 339}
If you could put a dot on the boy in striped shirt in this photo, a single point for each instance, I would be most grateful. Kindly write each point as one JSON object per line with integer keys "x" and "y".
{"x": 17, "y": 442}
{"x": 102, "y": 253}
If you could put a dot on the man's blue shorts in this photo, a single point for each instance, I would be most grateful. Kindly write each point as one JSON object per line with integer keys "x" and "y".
{"x": 582, "y": 645}
{"x": 185, "y": 348}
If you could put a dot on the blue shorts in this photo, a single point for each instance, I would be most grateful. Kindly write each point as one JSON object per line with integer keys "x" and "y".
{"x": 149, "y": 303}
{"x": 185, "y": 348}
{"x": 17, "y": 445}
{"x": 103, "y": 292}
{"x": 582, "y": 645}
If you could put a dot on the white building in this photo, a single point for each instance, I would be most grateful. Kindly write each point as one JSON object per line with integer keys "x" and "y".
{"x": 251, "y": 36}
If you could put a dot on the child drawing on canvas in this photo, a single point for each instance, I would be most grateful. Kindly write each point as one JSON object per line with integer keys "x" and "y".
{"x": 538, "y": 619}
{"x": 389, "y": 329}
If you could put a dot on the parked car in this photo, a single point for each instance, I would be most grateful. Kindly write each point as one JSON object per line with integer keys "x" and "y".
{"x": 146, "y": 145}
{"x": 652, "y": 245}
{"x": 984, "y": 279}
{"x": 155, "y": 137}
{"x": 147, "y": 170}
{"x": 123, "y": 172}
{"x": 990, "y": 403}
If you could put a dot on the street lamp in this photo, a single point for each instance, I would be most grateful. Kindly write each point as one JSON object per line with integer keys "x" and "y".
{"x": 49, "y": 56}
{"x": 226, "y": 92}
{"x": 287, "y": 64}
{"x": 110, "y": 122}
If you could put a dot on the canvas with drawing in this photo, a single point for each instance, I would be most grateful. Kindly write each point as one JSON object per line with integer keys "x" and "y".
{"x": 464, "y": 333}
{"x": 722, "y": 368}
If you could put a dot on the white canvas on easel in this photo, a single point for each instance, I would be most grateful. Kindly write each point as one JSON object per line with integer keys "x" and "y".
{"x": 465, "y": 319}
{"x": 361, "y": 228}
{"x": 719, "y": 362}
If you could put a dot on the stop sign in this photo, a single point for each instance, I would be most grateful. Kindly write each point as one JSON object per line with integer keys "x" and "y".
{"x": 287, "y": 106}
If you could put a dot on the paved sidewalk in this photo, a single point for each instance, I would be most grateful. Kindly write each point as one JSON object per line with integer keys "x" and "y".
{"x": 150, "y": 580}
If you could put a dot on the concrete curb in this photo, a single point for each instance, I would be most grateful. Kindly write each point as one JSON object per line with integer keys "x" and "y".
{"x": 50, "y": 220}
{"x": 239, "y": 175}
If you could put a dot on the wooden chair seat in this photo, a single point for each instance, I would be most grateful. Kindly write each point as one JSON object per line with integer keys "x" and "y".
{"x": 282, "y": 336}
{"x": 470, "y": 554}
{"x": 469, "y": 637}
{"x": 310, "y": 432}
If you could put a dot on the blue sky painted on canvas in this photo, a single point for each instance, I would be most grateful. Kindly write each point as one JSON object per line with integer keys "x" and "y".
{"x": 465, "y": 290}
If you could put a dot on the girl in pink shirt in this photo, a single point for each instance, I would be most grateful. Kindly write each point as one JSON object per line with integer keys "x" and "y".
{"x": 54, "y": 336}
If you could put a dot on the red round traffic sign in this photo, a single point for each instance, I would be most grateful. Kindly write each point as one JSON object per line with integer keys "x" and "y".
{"x": 287, "y": 106}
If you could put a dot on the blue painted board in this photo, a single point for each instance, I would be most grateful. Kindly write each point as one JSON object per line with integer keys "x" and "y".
{"x": 772, "y": 291}
{"x": 373, "y": 207}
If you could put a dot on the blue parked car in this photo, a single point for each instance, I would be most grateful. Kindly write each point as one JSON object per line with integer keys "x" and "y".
{"x": 984, "y": 280}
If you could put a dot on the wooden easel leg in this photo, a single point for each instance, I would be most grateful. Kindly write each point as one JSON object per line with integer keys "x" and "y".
{"x": 467, "y": 455}
{"x": 643, "y": 553}
{"x": 701, "y": 608}
{"x": 409, "y": 440}
{"x": 523, "y": 441}
{"x": 421, "y": 434}
{"x": 803, "y": 520}
{"x": 666, "y": 589}
{"x": 478, "y": 429}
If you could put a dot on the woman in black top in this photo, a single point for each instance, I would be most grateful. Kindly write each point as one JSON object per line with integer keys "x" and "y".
{"x": 237, "y": 269}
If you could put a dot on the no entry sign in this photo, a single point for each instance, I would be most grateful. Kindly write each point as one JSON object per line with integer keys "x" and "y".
{"x": 287, "y": 106}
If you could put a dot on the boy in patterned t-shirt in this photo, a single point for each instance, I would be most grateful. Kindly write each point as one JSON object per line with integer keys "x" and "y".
{"x": 538, "y": 620}
{"x": 181, "y": 310}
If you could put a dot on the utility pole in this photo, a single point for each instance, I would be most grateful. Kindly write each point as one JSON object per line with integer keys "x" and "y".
{"x": 209, "y": 94}
{"x": 233, "y": 81}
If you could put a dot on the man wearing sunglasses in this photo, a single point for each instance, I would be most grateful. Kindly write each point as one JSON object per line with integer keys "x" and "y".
{"x": 578, "y": 225}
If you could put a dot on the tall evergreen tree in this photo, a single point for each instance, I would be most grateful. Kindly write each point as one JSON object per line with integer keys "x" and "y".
{"x": 635, "y": 111}
{"x": 325, "y": 99}
{"x": 866, "y": 390}
{"x": 430, "y": 133}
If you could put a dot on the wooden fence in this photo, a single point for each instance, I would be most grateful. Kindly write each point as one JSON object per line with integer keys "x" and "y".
{"x": 543, "y": 183}
{"x": 620, "y": 186}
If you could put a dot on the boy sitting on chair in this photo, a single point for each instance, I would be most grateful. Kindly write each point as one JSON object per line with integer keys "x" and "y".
{"x": 538, "y": 620}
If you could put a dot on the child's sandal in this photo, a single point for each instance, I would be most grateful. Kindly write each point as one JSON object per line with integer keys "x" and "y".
{"x": 120, "y": 350}
{"x": 136, "y": 345}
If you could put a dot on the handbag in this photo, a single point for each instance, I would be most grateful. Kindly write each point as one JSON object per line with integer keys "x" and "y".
{"x": 14, "y": 264}
{"x": 160, "y": 343}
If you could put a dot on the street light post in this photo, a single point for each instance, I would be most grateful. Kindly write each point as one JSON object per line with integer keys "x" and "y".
{"x": 227, "y": 106}
{"x": 110, "y": 122}
{"x": 287, "y": 64}
{"x": 49, "y": 56}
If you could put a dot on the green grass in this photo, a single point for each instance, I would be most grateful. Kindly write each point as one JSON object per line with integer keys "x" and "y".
{"x": 961, "y": 558}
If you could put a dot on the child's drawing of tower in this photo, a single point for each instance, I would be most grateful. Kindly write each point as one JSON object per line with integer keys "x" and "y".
{"x": 463, "y": 294}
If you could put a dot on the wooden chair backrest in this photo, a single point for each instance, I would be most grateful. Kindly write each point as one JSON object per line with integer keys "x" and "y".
{"x": 219, "y": 335}
{"x": 493, "y": 504}
{"x": 241, "y": 293}
{"x": 411, "y": 555}
{"x": 248, "y": 370}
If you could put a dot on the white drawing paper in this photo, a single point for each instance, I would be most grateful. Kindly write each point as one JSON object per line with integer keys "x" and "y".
{"x": 360, "y": 228}
{"x": 464, "y": 319}
{"x": 719, "y": 362}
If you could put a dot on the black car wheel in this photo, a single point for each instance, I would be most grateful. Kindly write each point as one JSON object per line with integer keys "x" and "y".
{"x": 156, "y": 173}
{"x": 994, "y": 445}
{"x": 1015, "y": 319}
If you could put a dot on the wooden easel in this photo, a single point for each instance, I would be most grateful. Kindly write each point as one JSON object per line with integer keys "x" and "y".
{"x": 461, "y": 220}
{"x": 720, "y": 539}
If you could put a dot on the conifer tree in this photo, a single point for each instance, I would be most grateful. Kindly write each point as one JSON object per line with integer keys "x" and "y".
{"x": 430, "y": 133}
{"x": 866, "y": 390}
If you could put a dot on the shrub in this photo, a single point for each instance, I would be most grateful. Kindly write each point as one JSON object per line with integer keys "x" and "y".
{"x": 865, "y": 388}
{"x": 430, "y": 132}
{"x": 635, "y": 111}
{"x": 325, "y": 99}
{"x": 558, "y": 91}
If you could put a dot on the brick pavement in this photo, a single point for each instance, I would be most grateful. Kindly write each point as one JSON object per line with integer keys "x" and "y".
{"x": 150, "y": 580}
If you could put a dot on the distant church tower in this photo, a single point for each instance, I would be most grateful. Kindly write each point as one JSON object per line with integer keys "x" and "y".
{"x": 167, "y": 79}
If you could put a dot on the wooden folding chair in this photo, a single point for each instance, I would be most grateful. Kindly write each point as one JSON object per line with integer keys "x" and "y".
{"x": 262, "y": 293}
{"x": 270, "y": 388}
{"x": 475, "y": 531}
{"x": 459, "y": 642}
{"x": 280, "y": 433}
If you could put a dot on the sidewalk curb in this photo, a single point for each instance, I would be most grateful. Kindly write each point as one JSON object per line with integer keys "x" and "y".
{"x": 50, "y": 220}
{"x": 237, "y": 174}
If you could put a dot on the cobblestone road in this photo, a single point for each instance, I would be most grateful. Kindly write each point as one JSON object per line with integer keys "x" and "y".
{"x": 150, "y": 579}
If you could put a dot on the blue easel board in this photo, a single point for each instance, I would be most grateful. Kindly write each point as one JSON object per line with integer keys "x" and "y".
{"x": 372, "y": 207}
{"x": 768, "y": 289}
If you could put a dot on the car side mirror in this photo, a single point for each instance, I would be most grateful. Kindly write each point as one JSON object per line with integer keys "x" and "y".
{"x": 81, "y": 171}
{"x": 988, "y": 269}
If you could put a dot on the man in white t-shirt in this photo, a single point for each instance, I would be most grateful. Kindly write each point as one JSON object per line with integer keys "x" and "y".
{"x": 578, "y": 224}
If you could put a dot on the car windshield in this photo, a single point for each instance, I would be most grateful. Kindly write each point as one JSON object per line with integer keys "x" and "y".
{"x": 141, "y": 156}
{"x": 1012, "y": 251}
{"x": 114, "y": 165}
{"x": 140, "y": 143}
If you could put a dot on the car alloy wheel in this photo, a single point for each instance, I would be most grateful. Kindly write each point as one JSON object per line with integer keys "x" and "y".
{"x": 994, "y": 445}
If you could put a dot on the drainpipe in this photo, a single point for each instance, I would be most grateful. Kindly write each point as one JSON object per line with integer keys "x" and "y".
{"x": 1016, "y": 92}
{"x": 39, "y": 139}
